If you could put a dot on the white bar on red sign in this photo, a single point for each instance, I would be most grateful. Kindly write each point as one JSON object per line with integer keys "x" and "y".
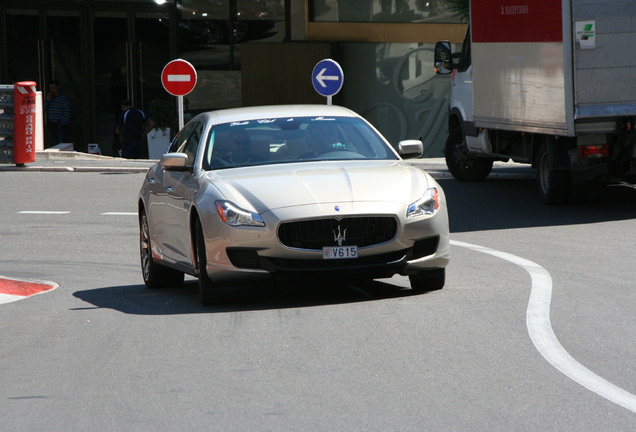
{"x": 184, "y": 78}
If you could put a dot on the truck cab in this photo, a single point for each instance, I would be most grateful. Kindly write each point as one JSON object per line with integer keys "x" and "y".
{"x": 467, "y": 158}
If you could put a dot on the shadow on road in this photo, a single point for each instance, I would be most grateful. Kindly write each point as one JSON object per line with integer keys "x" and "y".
{"x": 497, "y": 204}
{"x": 139, "y": 300}
{"x": 494, "y": 204}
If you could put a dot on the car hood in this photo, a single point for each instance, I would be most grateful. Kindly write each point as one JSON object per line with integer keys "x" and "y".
{"x": 271, "y": 187}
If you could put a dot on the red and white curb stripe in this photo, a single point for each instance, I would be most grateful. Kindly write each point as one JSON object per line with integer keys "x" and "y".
{"x": 15, "y": 289}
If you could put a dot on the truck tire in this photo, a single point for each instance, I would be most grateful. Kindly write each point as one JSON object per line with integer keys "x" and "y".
{"x": 554, "y": 185}
{"x": 463, "y": 165}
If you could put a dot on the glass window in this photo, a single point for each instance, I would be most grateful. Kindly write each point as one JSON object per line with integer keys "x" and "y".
{"x": 401, "y": 96}
{"x": 187, "y": 141}
{"x": 294, "y": 139}
{"x": 384, "y": 11}
{"x": 211, "y": 41}
{"x": 23, "y": 45}
{"x": 193, "y": 142}
{"x": 65, "y": 49}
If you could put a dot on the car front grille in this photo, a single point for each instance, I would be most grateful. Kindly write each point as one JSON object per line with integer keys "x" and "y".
{"x": 356, "y": 231}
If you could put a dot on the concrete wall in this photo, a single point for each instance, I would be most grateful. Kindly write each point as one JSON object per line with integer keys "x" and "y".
{"x": 280, "y": 73}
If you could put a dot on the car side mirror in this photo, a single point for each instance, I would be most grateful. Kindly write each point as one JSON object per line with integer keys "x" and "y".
{"x": 411, "y": 149}
{"x": 443, "y": 58}
{"x": 175, "y": 162}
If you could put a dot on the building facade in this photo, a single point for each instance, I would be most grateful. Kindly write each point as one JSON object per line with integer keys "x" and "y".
{"x": 246, "y": 52}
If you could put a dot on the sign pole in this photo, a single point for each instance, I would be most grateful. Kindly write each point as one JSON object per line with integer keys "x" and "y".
{"x": 180, "y": 105}
{"x": 179, "y": 78}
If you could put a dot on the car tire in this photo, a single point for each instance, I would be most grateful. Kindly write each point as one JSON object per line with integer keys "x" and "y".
{"x": 210, "y": 292}
{"x": 463, "y": 165}
{"x": 155, "y": 275}
{"x": 428, "y": 280}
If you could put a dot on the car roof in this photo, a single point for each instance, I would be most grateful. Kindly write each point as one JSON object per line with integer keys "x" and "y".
{"x": 273, "y": 111}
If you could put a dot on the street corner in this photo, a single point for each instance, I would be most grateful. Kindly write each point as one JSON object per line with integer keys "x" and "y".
{"x": 16, "y": 289}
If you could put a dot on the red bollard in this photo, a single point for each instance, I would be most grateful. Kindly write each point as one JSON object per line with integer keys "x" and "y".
{"x": 24, "y": 122}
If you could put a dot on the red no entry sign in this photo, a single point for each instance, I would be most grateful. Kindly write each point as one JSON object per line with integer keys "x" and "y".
{"x": 179, "y": 77}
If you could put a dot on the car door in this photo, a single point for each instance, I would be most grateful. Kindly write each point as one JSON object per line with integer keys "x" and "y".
{"x": 180, "y": 188}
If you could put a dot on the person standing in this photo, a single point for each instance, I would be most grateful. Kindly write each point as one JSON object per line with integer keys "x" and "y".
{"x": 132, "y": 125}
{"x": 58, "y": 110}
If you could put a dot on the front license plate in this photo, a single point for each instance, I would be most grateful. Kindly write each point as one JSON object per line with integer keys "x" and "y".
{"x": 340, "y": 252}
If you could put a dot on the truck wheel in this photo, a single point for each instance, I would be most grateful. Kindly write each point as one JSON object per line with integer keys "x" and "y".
{"x": 463, "y": 165}
{"x": 554, "y": 185}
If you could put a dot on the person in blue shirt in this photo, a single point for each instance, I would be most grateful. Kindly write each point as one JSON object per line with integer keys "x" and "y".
{"x": 58, "y": 113}
{"x": 132, "y": 125}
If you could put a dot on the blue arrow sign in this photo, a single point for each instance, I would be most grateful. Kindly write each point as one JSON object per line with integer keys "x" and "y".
{"x": 327, "y": 77}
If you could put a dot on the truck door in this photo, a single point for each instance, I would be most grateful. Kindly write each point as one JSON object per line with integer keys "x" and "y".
{"x": 462, "y": 82}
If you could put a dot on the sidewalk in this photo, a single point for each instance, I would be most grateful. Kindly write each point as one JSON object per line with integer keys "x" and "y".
{"x": 437, "y": 168}
{"x": 68, "y": 161}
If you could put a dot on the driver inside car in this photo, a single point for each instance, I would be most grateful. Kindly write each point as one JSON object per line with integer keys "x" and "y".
{"x": 240, "y": 151}
{"x": 322, "y": 138}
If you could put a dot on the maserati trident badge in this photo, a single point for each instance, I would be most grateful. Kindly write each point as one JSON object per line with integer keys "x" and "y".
{"x": 339, "y": 237}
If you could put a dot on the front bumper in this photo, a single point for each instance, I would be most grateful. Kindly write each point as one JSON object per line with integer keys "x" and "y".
{"x": 250, "y": 253}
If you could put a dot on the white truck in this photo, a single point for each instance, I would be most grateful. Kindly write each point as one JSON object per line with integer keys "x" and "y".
{"x": 551, "y": 83}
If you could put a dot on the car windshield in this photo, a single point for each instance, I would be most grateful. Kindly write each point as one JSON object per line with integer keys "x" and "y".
{"x": 292, "y": 139}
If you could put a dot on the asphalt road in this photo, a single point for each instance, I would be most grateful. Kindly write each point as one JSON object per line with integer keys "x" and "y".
{"x": 101, "y": 352}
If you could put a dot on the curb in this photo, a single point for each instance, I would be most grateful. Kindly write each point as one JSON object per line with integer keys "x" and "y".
{"x": 73, "y": 169}
{"x": 71, "y": 161}
{"x": 12, "y": 289}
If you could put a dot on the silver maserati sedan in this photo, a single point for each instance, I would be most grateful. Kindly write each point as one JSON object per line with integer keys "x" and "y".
{"x": 290, "y": 191}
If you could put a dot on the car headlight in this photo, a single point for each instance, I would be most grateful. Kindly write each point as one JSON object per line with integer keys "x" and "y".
{"x": 233, "y": 215}
{"x": 427, "y": 205}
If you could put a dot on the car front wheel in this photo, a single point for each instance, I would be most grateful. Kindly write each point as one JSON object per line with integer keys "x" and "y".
{"x": 209, "y": 291}
{"x": 155, "y": 275}
{"x": 428, "y": 280}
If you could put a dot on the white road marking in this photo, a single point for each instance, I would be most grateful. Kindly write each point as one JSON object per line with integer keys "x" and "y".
{"x": 44, "y": 212}
{"x": 543, "y": 337}
{"x": 8, "y": 298}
